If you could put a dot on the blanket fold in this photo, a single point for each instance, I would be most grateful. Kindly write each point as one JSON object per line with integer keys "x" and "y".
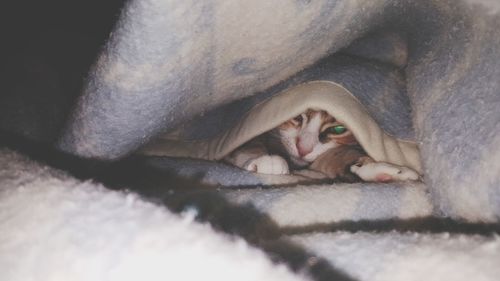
{"x": 426, "y": 71}
{"x": 187, "y": 82}
{"x": 266, "y": 115}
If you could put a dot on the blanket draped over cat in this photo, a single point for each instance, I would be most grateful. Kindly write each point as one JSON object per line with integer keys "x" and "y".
{"x": 417, "y": 82}
{"x": 325, "y": 95}
{"x": 435, "y": 62}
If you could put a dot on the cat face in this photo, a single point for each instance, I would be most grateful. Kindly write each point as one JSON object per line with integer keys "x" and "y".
{"x": 310, "y": 134}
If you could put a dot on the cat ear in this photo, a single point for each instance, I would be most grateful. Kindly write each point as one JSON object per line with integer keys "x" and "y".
{"x": 299, "y": 119}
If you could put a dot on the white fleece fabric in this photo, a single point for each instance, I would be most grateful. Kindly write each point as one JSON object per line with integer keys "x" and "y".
{"x": 394, "y": 256}
{"x": 167, "y": 62}
{"x": 53, "y": 227}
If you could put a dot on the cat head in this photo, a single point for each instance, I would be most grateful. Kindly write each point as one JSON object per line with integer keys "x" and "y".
{"x": 310, "y": 134}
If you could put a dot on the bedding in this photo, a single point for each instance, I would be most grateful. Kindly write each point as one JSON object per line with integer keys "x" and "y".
{"x": 167, "y": 62}
{"x": 416, "y": 80}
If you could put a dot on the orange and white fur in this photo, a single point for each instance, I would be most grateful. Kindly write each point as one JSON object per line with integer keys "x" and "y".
{"x": 314, "y": 139}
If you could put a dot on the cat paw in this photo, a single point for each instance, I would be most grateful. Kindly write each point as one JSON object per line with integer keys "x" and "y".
{"x": 268, "y": 164}
{"x": 383, "y": 172}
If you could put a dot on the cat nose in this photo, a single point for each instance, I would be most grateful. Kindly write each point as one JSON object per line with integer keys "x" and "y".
{"x": 303, "y": 150}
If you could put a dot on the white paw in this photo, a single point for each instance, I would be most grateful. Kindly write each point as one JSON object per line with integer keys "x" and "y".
{"x": 268, "y": 164}
{"x": 383, "y": 172}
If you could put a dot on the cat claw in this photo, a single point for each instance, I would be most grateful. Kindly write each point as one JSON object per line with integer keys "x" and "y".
{"x": 383, "y": 172}
{"x": 268, "y": 164}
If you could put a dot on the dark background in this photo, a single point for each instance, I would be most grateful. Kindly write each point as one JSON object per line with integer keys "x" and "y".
{"x": 46, "y": 50}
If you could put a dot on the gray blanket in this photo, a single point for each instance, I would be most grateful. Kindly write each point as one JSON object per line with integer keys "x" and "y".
{"x": 427, "y": 71}
{"x": 436, "y": 64}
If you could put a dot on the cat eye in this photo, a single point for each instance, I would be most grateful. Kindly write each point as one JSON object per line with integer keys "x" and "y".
{"x": 336, "y": 130}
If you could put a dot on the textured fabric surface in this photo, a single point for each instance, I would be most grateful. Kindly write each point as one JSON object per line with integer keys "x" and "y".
{"x": 437, "y": 63}
{"x": 408, "y": 256}
{"x": 305, "y": 205}
{"x": 167, "y": 61}
{"x": 303, "y": 199}
{"x": 268, "y": 114}
{"x": 382, "y": 94}
{"x": 426, "y": 71}
{"x": 55, "y": 227}
{"x": 453, "y": 84}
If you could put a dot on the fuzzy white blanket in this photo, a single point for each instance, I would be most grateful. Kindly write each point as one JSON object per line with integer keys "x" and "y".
{"x": 54, "y": 227}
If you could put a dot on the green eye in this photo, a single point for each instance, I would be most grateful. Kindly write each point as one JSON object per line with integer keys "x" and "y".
{"x": 336, "y": 130}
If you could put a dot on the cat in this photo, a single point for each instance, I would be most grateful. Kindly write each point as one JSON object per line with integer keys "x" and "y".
{"x": 315, "y": 140}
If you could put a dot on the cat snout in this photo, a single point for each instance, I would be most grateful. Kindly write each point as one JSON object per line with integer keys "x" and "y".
{"x": 305, "y": 144}
{"x": 303, "y": 150}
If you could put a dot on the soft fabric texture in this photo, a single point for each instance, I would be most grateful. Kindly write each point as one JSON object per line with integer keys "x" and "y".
{"x": 321, "y": 204}
{"x": 169, "y": 61}
{"x": 54, "y": 227}
{"x": 427, "y": 72}
{"x": 402, "y": 256}
{"x": 319, "y": 95}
